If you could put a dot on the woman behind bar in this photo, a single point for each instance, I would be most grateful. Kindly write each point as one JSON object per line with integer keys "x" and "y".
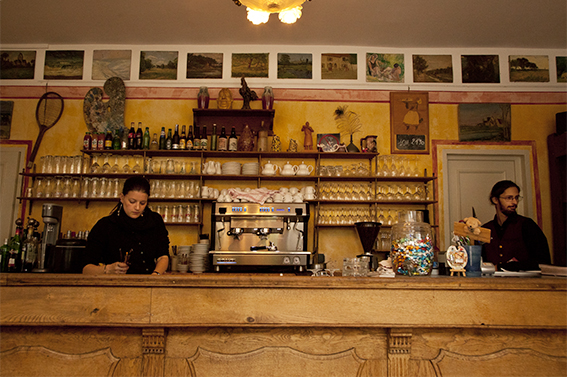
{"x": 132, "y": 239}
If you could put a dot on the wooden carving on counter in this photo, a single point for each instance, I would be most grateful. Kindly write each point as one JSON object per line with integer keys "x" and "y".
{"x": 101, "y": 116}
{"x": 247, "y": 94}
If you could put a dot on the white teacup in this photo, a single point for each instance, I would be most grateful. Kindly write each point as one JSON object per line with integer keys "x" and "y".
{"x": 293, "y": 190}
{"x": 284, "y": 190}
{"x": 298, "y": 198}
{"x": 288, "y": 198}
{"x": 216, "y": 193}
{"x": 278, "y": 198}
{"x": 309, "y": 196}
{"x": 309, "y": 190}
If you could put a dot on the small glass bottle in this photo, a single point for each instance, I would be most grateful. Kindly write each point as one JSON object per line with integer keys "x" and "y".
{"x": 412, "y": 246}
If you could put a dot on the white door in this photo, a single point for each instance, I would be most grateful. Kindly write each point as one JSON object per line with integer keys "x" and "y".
{"x": 469, "y": 177}
{"x": 12, "y": 162}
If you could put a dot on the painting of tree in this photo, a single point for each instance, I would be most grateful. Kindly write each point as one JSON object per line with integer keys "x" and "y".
{"x": 432, "y": 68}
{"x": 204, "y": 66}
{"x": 295, "y": 66}
{"x": 525, "y": 68}
{"x": 158, "y": 65}
{"x": 485, "y": 122}
{"x": 561, "y": 63}
{"x": 250, "y": 65}
{"x": 480, "y": 69}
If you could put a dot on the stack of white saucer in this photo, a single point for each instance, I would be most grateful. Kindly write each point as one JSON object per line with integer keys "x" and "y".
{"x": 199, "y": 258}
{"x": 231, "y": 168}
{"x": 250, "y": 168}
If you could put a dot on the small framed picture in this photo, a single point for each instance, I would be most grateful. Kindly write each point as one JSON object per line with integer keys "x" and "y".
{"x": 529, "y": 68}
{"x": 480, "y": 69}
{"x": 328, "y": 142}
{"x": 204, "y": 66}
{"x": 63, "y": 65}
{"x": 18, "y": 65}
{"x": 111, "y": 63}
{"x": 158, "y": 65}
{"x": 409, "y": 117}
{"x": 339, "y": 67}
{"x": 250, "y": 65}
{"x": 385, "y": 67}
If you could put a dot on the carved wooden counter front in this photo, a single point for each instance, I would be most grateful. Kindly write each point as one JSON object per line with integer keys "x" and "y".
{"x": 271, "y": 325}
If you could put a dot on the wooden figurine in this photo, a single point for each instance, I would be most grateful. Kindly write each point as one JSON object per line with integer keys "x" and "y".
{"x": 308, "y": 140}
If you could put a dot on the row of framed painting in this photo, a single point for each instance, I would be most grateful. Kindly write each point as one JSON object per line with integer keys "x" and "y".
{"x": 378, "y": 67}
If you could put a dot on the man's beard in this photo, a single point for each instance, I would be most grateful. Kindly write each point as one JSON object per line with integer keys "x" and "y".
{"x": 506, "y": 210}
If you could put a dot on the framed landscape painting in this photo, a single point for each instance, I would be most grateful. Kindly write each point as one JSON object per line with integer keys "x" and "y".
{"x": 385, "y": 67}
{"x": 63, "y": 65}
{"x": 480, "y": 69}
{"x": 433, "y": 68}
{"x": 18, "y": 65}
{"x": 484, "y": 122}
{"x": 158, "y": 65}
{"x": 339, "y": 66}
{"x": 250, "y": 65}
{"x": 111, "y": 63}
{"x": 204, "y": 66}
{"x": 561, "y": 63}
{"x": 295, "y": 66}
{"x": 529, "y": 68}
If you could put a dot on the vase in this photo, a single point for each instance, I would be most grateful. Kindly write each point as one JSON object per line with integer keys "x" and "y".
{"x": 268, "y": 98}
{"x": 351, "y": 147}
{"x": 203, "y": 98}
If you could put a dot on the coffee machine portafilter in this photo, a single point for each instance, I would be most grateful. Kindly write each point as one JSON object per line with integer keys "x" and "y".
{"x": 52, "y": 215}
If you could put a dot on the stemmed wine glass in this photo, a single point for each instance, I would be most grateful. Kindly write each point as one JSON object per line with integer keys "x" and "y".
{"x": 106, "y": 166}
{"x": 126, "y": 167}
{"x": 137, "y": 169}
{"x": 95, "y": 167}
{"x": 115, "y": 168}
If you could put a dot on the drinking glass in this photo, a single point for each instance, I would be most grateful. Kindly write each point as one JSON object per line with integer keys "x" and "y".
{"x": 85, "y": 192}
{"x": 95, "y": 187}
{"x": 56, "y": 165}
{"x": 387, "y": 169}
{"x": 76, "y": 187}
{"x": 44, "y": 162}
{"x": 77, "y": 161}
{"x": 180, "y": 215}
{"x": 137, "y": 169}
{"x": 115, "y": 168}
{"x": 39, "y": 187}
{"x": 106, "y": 166}
{"x": 67, "y": 187}
{"x": 166, "y": 214}
{"x": 116, "y": 188}
{"x": 58, "y": 188}
{"x": 189, "y": 213}
{"x": 174, "y": 213}
{"x": 196, "y": 213}
{"x": 126, "y": 167}
{"x": 95, "y": 167}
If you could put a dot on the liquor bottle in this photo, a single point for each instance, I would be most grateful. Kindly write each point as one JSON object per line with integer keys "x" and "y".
{"x": 139, "y": 137}
{"x": 87, "y": 140}
{"x": 233, "y": 140}
{"x": 162, "y": 139}
{"x": 204, "y": 140}
{"x": 100, "y": 145}
{"x": 189, "y": 146}
{"x": 108, "y": 140}
{"x": 15, "y": 259}
{"x": 168, "y": 140}
{"x": 31, "y": 247}
{"x": 4, "y": 255}
{"x": 132, "y": 137}
{"x": 196, "y": 139}
{"x": 146, "y": 141}
{"x": 223, "y": 140}
{"x": 214, "y": 139}
{"x": 124, "y": 138}
{"x": 175, "y": 139}
{"x": 116, "y": 144}
{"x": 183, "y": 138}
{"x": 154, "y": 145}
{"x": 94, "y": 141}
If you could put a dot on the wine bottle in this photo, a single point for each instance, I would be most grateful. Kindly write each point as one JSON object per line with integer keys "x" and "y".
{"x": 108, "y": 140}
{"x": 154, "y": 145}
{"x": 196, "y": 139}
{"x": 132, "y": 137}
{"x": 175, "y": 139}
{"x": 168, "y": 140}
{"x": 183, "y": 139}
{"x": 214, "y": 138}
{"x": 233, "y": 141}
{"x": 4, "y": 255}
{"x": 146, "y": 141}
{"x": 204, "y": 139}
{"x": 15, "y": 259}
{"x": 189, "y": 145}
{"x": 116, "y": 141}
{"x": 31, "y": 245}
{"x": 124, "y": 139}
{"x": 223, "y": 140}
{"x": 139, "y": 137}
{"x": 162, "y": 139}
{"x": 87, "y": 140}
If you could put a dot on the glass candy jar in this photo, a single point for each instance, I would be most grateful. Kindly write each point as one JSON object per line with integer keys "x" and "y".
{"x": 412, "y": 247}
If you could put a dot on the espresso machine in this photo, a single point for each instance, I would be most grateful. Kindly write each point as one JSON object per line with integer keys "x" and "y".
{"x": 52, "y": 215}
{"x": 259, "y": 238}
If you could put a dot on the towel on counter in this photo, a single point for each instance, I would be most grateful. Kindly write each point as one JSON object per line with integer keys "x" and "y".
{"x": 259, "y": 195}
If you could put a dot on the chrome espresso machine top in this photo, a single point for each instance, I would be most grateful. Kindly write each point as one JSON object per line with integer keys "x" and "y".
{"x": 255, "y": 237}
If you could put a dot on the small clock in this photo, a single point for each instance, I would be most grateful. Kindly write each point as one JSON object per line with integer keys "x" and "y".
{"x": 328, "y": 142}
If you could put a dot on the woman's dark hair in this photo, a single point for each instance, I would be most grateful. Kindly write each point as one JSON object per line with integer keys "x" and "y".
{"x": 136, "y": 184}
{"x": 500, "y": 187}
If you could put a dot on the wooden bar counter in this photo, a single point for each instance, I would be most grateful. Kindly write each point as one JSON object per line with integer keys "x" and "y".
{"x": 273, "y": 325}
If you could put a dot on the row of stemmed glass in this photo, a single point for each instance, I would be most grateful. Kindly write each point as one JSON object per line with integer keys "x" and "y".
{"x": 345, "y": 191}
{"x": 178, "y": 213}
{"x": 174, "y": 189}
{"x": 61, "y": 164}
{"x": 351, "y": 215}
{"x": 397, "y": 166}
{"x": 397, "y": 192}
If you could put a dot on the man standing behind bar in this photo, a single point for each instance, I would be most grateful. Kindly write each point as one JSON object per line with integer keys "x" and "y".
{"x": 517, "y": 242}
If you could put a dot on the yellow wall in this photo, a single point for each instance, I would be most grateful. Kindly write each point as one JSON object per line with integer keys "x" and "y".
{"x": 529, "y": 122}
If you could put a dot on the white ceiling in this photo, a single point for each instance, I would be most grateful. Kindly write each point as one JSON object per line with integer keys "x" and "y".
{"x": 526, "y": 24}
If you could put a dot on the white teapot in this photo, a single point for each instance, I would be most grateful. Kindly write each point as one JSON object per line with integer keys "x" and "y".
{"x": 303, "y": 169}
{"x": 289, "y": 169}
{"x": 209, "y": 167}
{"x": 270, "y": 169}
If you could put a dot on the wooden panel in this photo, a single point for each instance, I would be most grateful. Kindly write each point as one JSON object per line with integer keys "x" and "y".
{"x": 71, "y": 306}
{"x": 346, "y": 307}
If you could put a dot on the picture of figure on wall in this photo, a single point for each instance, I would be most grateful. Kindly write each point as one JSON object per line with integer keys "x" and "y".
{"x": 250, "y": 65}
{"x": 409, "y": 122}
{"x": 158, "y": 65}
{"x": 295, "y": 66}
{"x": 63, "y": 65}
{"x": 432, "y": 68}
{"x": 484, "y": 122}
{"x": 480, "y": 69}
{"x": 561, "y": 63}
{"x": 524, "y": 68}
{"x": 18, "y": 65}
{"x": 385, "y": 67}
{"x": 204, "y": 66}
{"x": 111, "y": 63}
{"x": 339, "y": 66}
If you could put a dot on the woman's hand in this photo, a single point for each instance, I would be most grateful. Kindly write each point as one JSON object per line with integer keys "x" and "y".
{"x": 116, "y": 268}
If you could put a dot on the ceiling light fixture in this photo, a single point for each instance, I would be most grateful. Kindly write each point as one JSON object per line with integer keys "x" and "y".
{"x": 259, "y": 10}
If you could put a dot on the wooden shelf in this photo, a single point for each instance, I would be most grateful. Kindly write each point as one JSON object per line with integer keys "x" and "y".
{"x": 229, "y": 118}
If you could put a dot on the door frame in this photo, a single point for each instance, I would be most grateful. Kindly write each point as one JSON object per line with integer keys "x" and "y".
{"x": 441, "y": 148}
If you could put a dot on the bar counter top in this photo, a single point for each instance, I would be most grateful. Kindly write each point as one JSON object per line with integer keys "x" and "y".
{"x": 216, "y": 324}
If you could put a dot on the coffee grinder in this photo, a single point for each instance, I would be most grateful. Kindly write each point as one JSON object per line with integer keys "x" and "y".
{"x": 52, "y": 215}
{"x": 367, "y": 232}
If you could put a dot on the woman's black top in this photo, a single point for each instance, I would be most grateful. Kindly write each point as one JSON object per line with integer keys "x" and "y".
{"x": 145, "y": 239}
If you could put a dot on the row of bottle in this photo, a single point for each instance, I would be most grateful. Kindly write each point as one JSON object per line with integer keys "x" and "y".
{"x": 194, "y": 140}
{"x": 19, "y": 253}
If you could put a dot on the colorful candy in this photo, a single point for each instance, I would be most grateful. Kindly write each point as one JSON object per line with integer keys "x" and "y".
{"x": 412, "y": 256}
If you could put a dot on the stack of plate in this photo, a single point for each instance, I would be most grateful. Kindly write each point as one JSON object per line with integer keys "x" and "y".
{"x": 231, "y": 168}
{"x": 250, "y": 168}
{"x": 199, "y": 258}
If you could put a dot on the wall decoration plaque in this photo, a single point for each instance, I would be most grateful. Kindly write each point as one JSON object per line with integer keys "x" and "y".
{"x": 409, "y": 122}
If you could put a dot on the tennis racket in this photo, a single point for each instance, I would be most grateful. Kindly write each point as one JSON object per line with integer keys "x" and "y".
{"x": 48, "y": 111}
